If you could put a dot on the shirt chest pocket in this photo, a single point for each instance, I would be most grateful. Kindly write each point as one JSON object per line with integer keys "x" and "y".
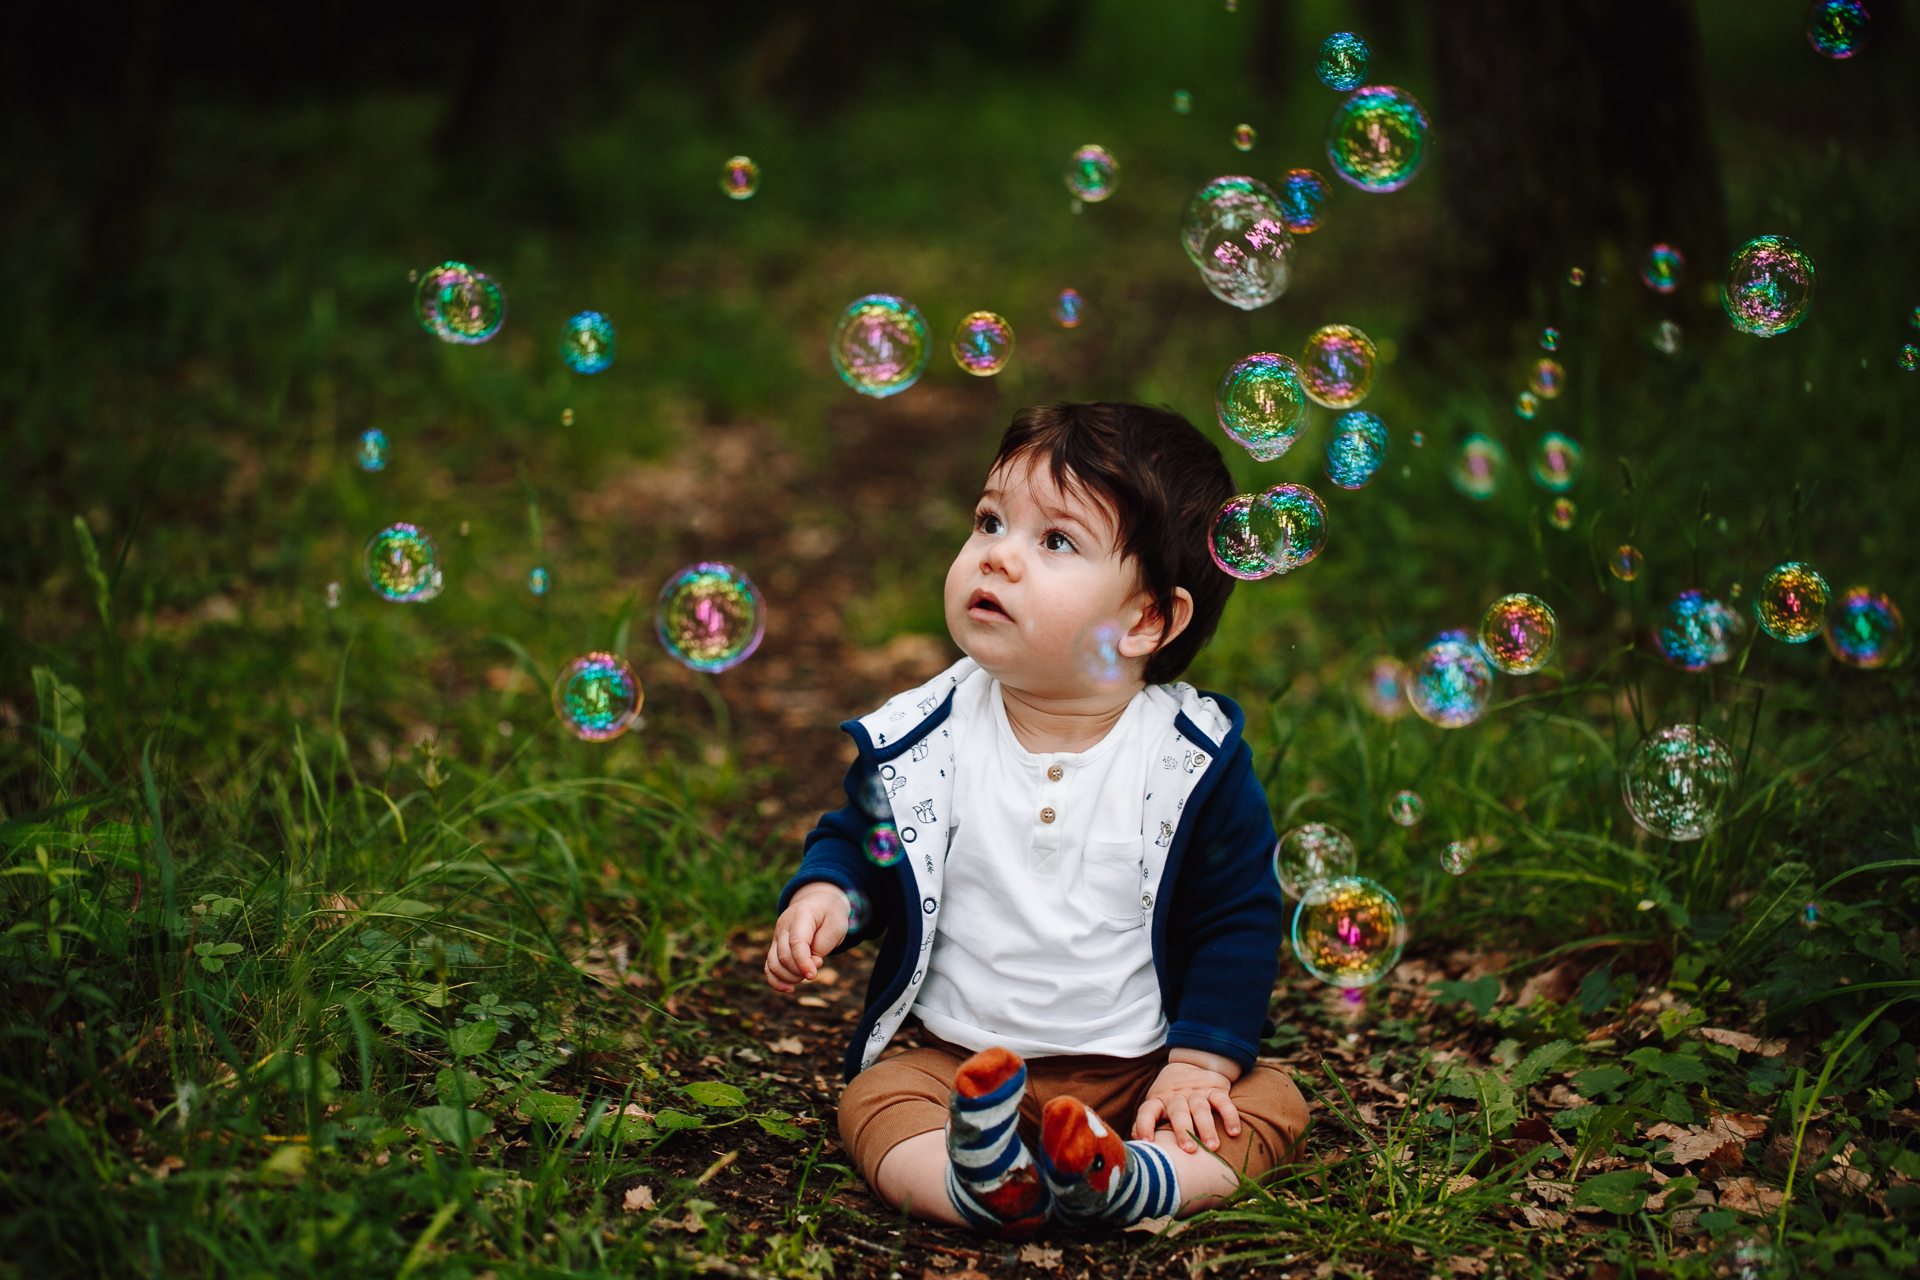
{"x": 1115, "y": 883}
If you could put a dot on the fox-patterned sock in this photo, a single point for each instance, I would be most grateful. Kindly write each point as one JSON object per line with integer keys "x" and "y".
{"x": 990, "y": 1173}
{"x": 1093, "y": 1174}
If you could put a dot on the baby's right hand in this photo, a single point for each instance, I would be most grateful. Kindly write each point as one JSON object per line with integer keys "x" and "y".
{"x": 814, "y": 923}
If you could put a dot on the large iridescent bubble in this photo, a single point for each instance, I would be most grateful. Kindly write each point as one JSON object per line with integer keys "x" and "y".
{"x": 1864, "y": 629}
{"x": 1769, "y": 286}
{"x": 1343, "y": 61}
{"x": 1235, "y": 232}
{"x": 710, "y": 616}
{"x": 982, "y": 343}
{"x": 587, "y": 342}
{"x": 879, "y": 345}
{"x": 403, "y": 564}
{"x": 1261, "y": 404}
{"x": 1677, "y": 781}
{"x": 1791, "y": 604}
{"x": 1092, "y": 173}
{"x": 1478, "y": 467}
{"x": 1837, "y": 28}
{"x": 597, "y": 697}
{"x": 1303, "y": 197}
{"x": 1519, "y": 633}
{"x": 1291, "y": 523}
{"x": 1377, "y": 139}
{"x": 1556, "y": 462}
{"x": 1312, "y": 854}
{"x": 1336, "y": 366}
{"x": 1232, "y": 542}
{"x": 1693, "y": 631}
{"x": 457, "y": 304}
{"x": 1356, "y": 447}
{"x": 1349, "y": 932}
{"x": 1451, "y": 682}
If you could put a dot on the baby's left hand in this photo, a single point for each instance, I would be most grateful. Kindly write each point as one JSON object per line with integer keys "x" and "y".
{"x": 1187, "y": 1095}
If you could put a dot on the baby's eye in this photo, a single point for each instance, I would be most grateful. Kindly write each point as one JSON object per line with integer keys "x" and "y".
{"x": 986, "y": 522}
{"x": 1057, "y": 541}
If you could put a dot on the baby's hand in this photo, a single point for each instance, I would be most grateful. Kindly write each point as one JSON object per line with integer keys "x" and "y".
{"x": 814, "y": 923}
{"x": 1186, "y": 1094}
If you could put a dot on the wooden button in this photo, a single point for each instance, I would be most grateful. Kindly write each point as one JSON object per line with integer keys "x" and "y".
{"x": 1047, "y": 815}
{"x": 1055, "y": 773}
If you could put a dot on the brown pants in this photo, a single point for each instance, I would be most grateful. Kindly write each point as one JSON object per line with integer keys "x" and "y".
{"x": 906, "y": 1095}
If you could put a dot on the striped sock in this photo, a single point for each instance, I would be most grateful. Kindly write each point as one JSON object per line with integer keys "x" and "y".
{"x": 990, "y": 1174}
{"x": 1093, "y": 1174}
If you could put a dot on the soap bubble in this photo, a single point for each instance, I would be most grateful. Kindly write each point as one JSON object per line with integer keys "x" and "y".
{"x": 1406, "y": 808}
{"x": 1666, "y": 337}
{"x": 455, "y": 303}
{"x": 1626, "y": 562}
{"x": 1676, "y": 781}
{"x": 1694, "y": 631}
{"x": 1452, "y": 682}
{"x": 1549, "y": 339}
{"x": 1526, "y": 405}
{"x": 1336, "y": 366}
{"x": 1377, "y": 138}
{"x": 1864, "y": 629}
{"x": 1349, "y": 932}
{"x": 597, "y": 697}
{"x": 1556, "y": 462}
{"x": 710, "y": 616}
{"x": 1182, "y": 102}
{"x": 1100, "y": 655}
{"x": 1478, "y": 467}
{"x": 1791, "y": 603}
{"x": 1910, "y": 357}
{"x": 1576, "y": 277}
{"x": 1343, "y": 61}
{"x": 1235, "y": 232}
{"x": 982, "y": 343}
{"x": 879, "y": 345}
{"x": 1419, "y": 439}
{"x": 858, "y": 910}
{"x": 1769, "y": 286}
{"x": 538, "y": 581}
{"x": 1383, "y": 687}
{"x": 1837, "y": 28}
{"x": 883, "y": 845}
{"x": 1549, "y": 377}
{"x": 1092, "y": 174}
{"x": 1067, "y": 308}
{"x": 1663, "y": 268}
{"x": 1291, "y": 523}
{"x": 1561, "y": 513}
{"x": 403, "y": 564}
{"x": 1519, "y": 633}
{"x": 1244, "y": 136}
{"x": 1355, "y": 448}
{"x": 1261, "y": 404}
{"x": 1233, "y": 544}
{"x": 333, "y": 595}
{"x": 1303, "y": 195}
{"x": 1310, "y": 855}
{"x": 566, "y": 417}
{"x": 372, "y": 451}
{"x": 1458, "y": 858}
{"x": 587, "y": 342}
{"x": 739, "y": 178}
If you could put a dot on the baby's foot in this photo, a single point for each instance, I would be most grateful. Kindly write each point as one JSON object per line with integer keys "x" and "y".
{"x": 1093, "y": 1174}
{"x": 990, "y": 1173}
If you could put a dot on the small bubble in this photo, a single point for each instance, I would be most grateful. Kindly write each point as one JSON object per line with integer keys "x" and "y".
{"x": 1576, "y": 277}
{"x": 1310, "y": 855}
{"x": 1548, "y": 378}
{"x": 597, "y": 697}
{"x": 465, "y": 528}
{"x": 587, "y": 342}
{"x": 1666, "y": 337}
{"x": 1550, "y": 339}
{"x": 1676, "y": 782}
{"x": 1406, "y": 808}
{"x": 1419, "y": 440}
{"x": 739, "y": 178}
{"x": 1909, "y": 357}
{"x": 1343, "y": 61}
{"x": 1458, "y": 858}
{"x": 1519, "y": 633}
{"x": 1563, "y": 513}
{"x": 333, "y": 595}
{"x": 371, "y": 453}
{"x": 505, "y": 728}
{"x": 1663, "y": 268}
{"x": 1067, "y": 308}
{"x": 1526, "y": 405}
{"x": 982, "y": 343}
{"x": 1182, "y": 102}
{"x": 537, "y": 581}
{"x": 1092, "y": 173}
{"x": 1626, "y": 562}
{"x": 566, "y": 417}
{"x": 1244, "y": 136}
{"x": 1349, "y": 932}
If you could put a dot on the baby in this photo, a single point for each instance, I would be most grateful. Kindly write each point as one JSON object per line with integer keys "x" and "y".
{"x": 1082, "y": 917}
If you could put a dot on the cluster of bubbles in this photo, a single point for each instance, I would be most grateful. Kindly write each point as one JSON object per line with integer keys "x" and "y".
{"x": 1235, "y": 232}
{"x": 1336, "y": 366}
{"x": 1377, "y": 139}
{"x": 1261, "y": 404}
{"x": 1451, "y": 682}
{"x": 710, "y": 616}
{"x": 1478, "y": 467}
{"x": 739, "y": 178}
{"x": 1791, "y": 604}
{"x": 1255, "y": 535}
{"x": 597, "y": 697}
{"x": 1343, "y": 61}
{"x": 1837, "y": 28}
{"x": 1864, "y": 629}
{"x": 1519, "y": 633}
{"x": 1067, "y": 308}
{"x": 1677, "y": 781}
{"x": 587, "y": 342}
{"x": 1349, "y": 932}
{"x": 403, "y": 564}
{"x": 1556, "y": 462}
{"x": 1355, "y": 448}
{"x": 1303, "y": 196}
{"x": 1694, "y": 631}
{"x": 1663, "y": 268}
{"x": 1769, "y": 286}
{"x": 879, "y": 345}
{"x": 1406, "y": 808}
{"x": 1092, "y": 174}
{"x": 455, "y": 303}
{"x": 371, "y": 452}
{"x": 982, "y": 343}
{"x": 1244, "y": 136}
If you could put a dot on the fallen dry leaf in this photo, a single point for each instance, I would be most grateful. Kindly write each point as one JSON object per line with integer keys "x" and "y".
{"x": 1742, "y": 1041}
{"x": 637, "y": 1199}
{"x": 1720, "y": 1143}
{"x": 1039, "y": 1257}
{"x": 1911, "y": 1119}
{"x": 1551, "y": 1192}
{"x": 1744, "y": 1195}
{"x": 813, "y": 1002}
{"x": 691, "y": 1224}
{"x": 1467, "y": 1266}
{"x": 1157, "y": 1225}
{"x": 1548, "y": 1218}
{"x": 791, "y": 1044}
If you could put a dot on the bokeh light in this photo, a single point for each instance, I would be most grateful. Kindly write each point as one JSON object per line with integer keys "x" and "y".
{"x": 1663, "y": 268}
{"x": 403, "y": 564}
{"x": 1336, "y": 366}
{"x": 1356, "y": 447}
{"x": 1377, "y": 139}
{"x": 1837, "y": 28}
{"x": 1406, "y": 808}
{"x": 1233, "y": 230}
{"x": 1383, "y": 688}
{"x": 1478, "y": 467}
{"x": 587, "y": 342}
{"x": 1519, "y": 633}
{"x": 457, "y": 304}
{"x": 1342, "y": 63}
{"x": 1693, "y": 631}
{"x": 1451, "y": 682}
{"x": 371, "y": 451}
{"x": 1312, "y": 854}
{"x": 1769, "y": 286}
{"x": 1068, "y": 308}
{"x": 1556, "y": 462}
{"x": 879, "y": 345}
{"x": 1626, "y": 562}
{"x": 1303, "y": 197}
{"x": 1864, "y": 629}
{"x": 1791, "y": 604}
{"x": 1677, "y": 781}
{"x": 709, "y": 616}
{"x": 1349, "y": 932}
{"x": 597, "y": 697}
{"x": 1261, "y": 404}
{"x": 1092, "y": 174}
{"x": 739, "y": 178}
{"x": 982, "y": 343}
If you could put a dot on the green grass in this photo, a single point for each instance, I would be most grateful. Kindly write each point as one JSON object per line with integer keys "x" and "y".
{"x": 272, "y": 868}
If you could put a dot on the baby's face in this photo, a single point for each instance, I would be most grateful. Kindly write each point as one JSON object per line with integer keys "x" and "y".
{"x": 1041, "y": 570}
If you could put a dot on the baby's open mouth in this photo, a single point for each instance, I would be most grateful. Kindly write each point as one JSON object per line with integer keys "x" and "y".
{"x": 981, "y": 600}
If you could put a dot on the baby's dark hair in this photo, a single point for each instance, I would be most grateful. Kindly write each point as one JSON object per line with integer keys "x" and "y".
{"x": 1162, "y": 481}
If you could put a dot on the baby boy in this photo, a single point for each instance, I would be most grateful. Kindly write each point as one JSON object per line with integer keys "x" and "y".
{"x": 1082, "y": 917}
